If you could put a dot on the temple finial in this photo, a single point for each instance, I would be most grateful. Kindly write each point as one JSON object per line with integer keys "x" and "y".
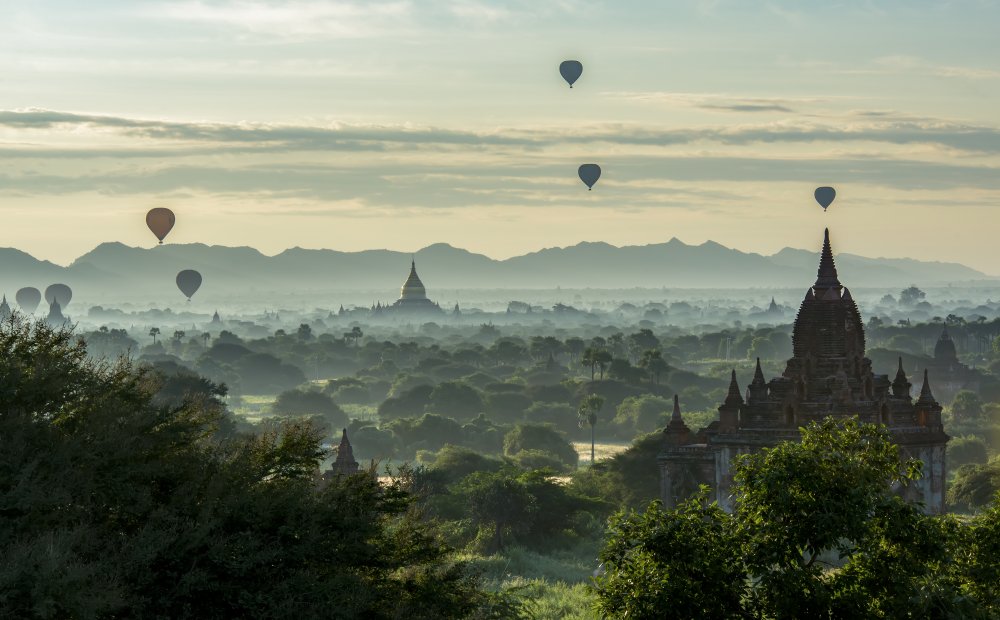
{"x": 733, "y": 397}
{"x": 826, "y": 277}
{"x": 926, "y": 396}
{"x": 676, "y": 415}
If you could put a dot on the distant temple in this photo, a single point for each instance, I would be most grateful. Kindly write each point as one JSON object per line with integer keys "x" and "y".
{"x": 828, "y": 375}
{"x": 55, "y": 317}
{"x": 4, "y": 309}
{"x": 950, "y": 375}
{"x": 216, "y": 320}
{"x": 412, "y": 299}
{"x": 344, "y": 464}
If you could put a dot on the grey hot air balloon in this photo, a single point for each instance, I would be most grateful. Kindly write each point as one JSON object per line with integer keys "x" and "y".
{"x": 28, "y": 298}
{"x": 571, "y": 70}
{"x": 589, "y": 173}
{"x": 824, "y": 196}
{"x": 189, "y": 281}
{"x": 59, "y": 292}
{"x": 160, "y": 220}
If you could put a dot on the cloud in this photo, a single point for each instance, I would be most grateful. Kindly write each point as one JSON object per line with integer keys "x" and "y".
{"x": 291, "y": 18}
{"x": 876, "y": 127}
{"x": 721, "y": 102}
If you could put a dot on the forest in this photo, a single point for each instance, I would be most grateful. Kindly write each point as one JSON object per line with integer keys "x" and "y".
{"x": 505, "y": 471}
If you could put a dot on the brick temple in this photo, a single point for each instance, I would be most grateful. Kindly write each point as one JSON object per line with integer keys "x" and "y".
{"x": 828, "y": 375}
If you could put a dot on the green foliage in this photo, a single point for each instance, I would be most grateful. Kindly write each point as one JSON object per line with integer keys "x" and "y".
{"x": 507, "y": 407}
{"x": 310, "y": 403}
{"x": 456, "y": 399}
{"x": 114, "y": 506}
{"x": 671, "y": 563}
{"x": 560, "y": 415}
{"x": 817, "y": 532}
{"x": 529, "y": 508}
{"x": 968, "y": 450}
{"x": 626, "y": 479}
{"x": 975, "y": 486}
{"x": 540, "y": 439}
{"x": 453, "y": 463}
{"x": 967, "y": 404}
{"x": 410, "y": 403}
{"x": 638, "y": 415}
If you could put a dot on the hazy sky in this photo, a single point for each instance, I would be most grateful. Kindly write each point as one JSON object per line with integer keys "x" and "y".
{"x": 356, "y": 125}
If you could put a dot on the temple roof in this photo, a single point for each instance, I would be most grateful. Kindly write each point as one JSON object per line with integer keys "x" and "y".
{"x": 826, "y": 276}
{"x": 413, "y": 288}
{"x": 828, "y": 324}
{"x": 944, "y": 350}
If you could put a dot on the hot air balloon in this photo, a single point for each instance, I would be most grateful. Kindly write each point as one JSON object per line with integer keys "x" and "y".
{"x": 824, "y": 196}
{"x": 589, "y": 173}
{"x": 160, "y": 220}
{"x": 28, "y": 298}
{"x": 570, "y": 70}
{"x": 189, "y": 281}
{"x": 60, "y": 292}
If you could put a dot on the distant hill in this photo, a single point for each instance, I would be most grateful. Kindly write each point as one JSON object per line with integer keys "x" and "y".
{"x": 115, "y": 270}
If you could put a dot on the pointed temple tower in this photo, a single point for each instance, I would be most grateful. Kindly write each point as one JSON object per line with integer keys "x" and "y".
{"x": 344, "y": 464}
{"x": 828, "y": 375}
{"x": 413, "y": 297}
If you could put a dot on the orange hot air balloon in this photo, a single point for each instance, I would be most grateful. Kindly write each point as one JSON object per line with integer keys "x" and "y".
{"x": 160, "y": 220}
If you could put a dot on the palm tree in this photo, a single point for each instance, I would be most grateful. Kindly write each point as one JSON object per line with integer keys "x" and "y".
{"x": 652, "y": 362}
{"x": 588, "y": 410}
{"x": 154, "y": 332}
{"x": 589, "y": 358}
{"x": 604, "y": 358}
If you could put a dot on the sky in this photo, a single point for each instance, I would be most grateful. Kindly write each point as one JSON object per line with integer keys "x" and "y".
{"x": 403, "y": 123}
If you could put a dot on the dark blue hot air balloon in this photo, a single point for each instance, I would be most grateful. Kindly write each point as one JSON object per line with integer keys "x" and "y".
{"x": 189, "y": 281}
{"x": 28, "y": 298}
{"x": 570, "y": 70}
{"x": 589, "y": 173}
{"x": 824, "y": 196}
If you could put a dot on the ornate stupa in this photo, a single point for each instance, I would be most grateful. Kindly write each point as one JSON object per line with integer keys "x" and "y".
{"x": 828, "y": 375}
{"x": 413, "y": 296}
{"x": 4, "y": 309}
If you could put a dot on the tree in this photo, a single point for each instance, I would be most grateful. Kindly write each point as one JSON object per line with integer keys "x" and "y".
{"x": 966, "y": 405}
{"x": 501, "y": 502}
{"x": 154, "y": 332}
{"x": 120, "y": 507}
{"x": 543, "y": 439}
{"x": 671, "y": 563}
{"x": 604, "y": 360}
{"x": 354, "y": 335}
{"x": 456, "y": 399}
{"x": 589, "y": 407}
{"x": 911, "y": 296}
{"x": 304, "y": 332}
{"x": 310, "y": 403}
{"x": 975, "y": 486}
{"x": 653, "y": 363}
{"x": 818, "y": 531}
{"x": 589, "y": 359}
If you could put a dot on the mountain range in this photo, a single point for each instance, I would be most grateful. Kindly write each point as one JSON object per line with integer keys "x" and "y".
{"x": 117, "y": 271}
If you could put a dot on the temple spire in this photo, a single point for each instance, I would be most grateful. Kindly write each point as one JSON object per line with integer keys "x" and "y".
{"x": 733, "y": 398}
{"x": 758, "y": 375}
{"x": 676, "y": 415}
{"x": 900, "y": 385}
{"x": 926, "y": 396}
{"x": 345, "y": 463}
{"x": 826, "y": 277}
